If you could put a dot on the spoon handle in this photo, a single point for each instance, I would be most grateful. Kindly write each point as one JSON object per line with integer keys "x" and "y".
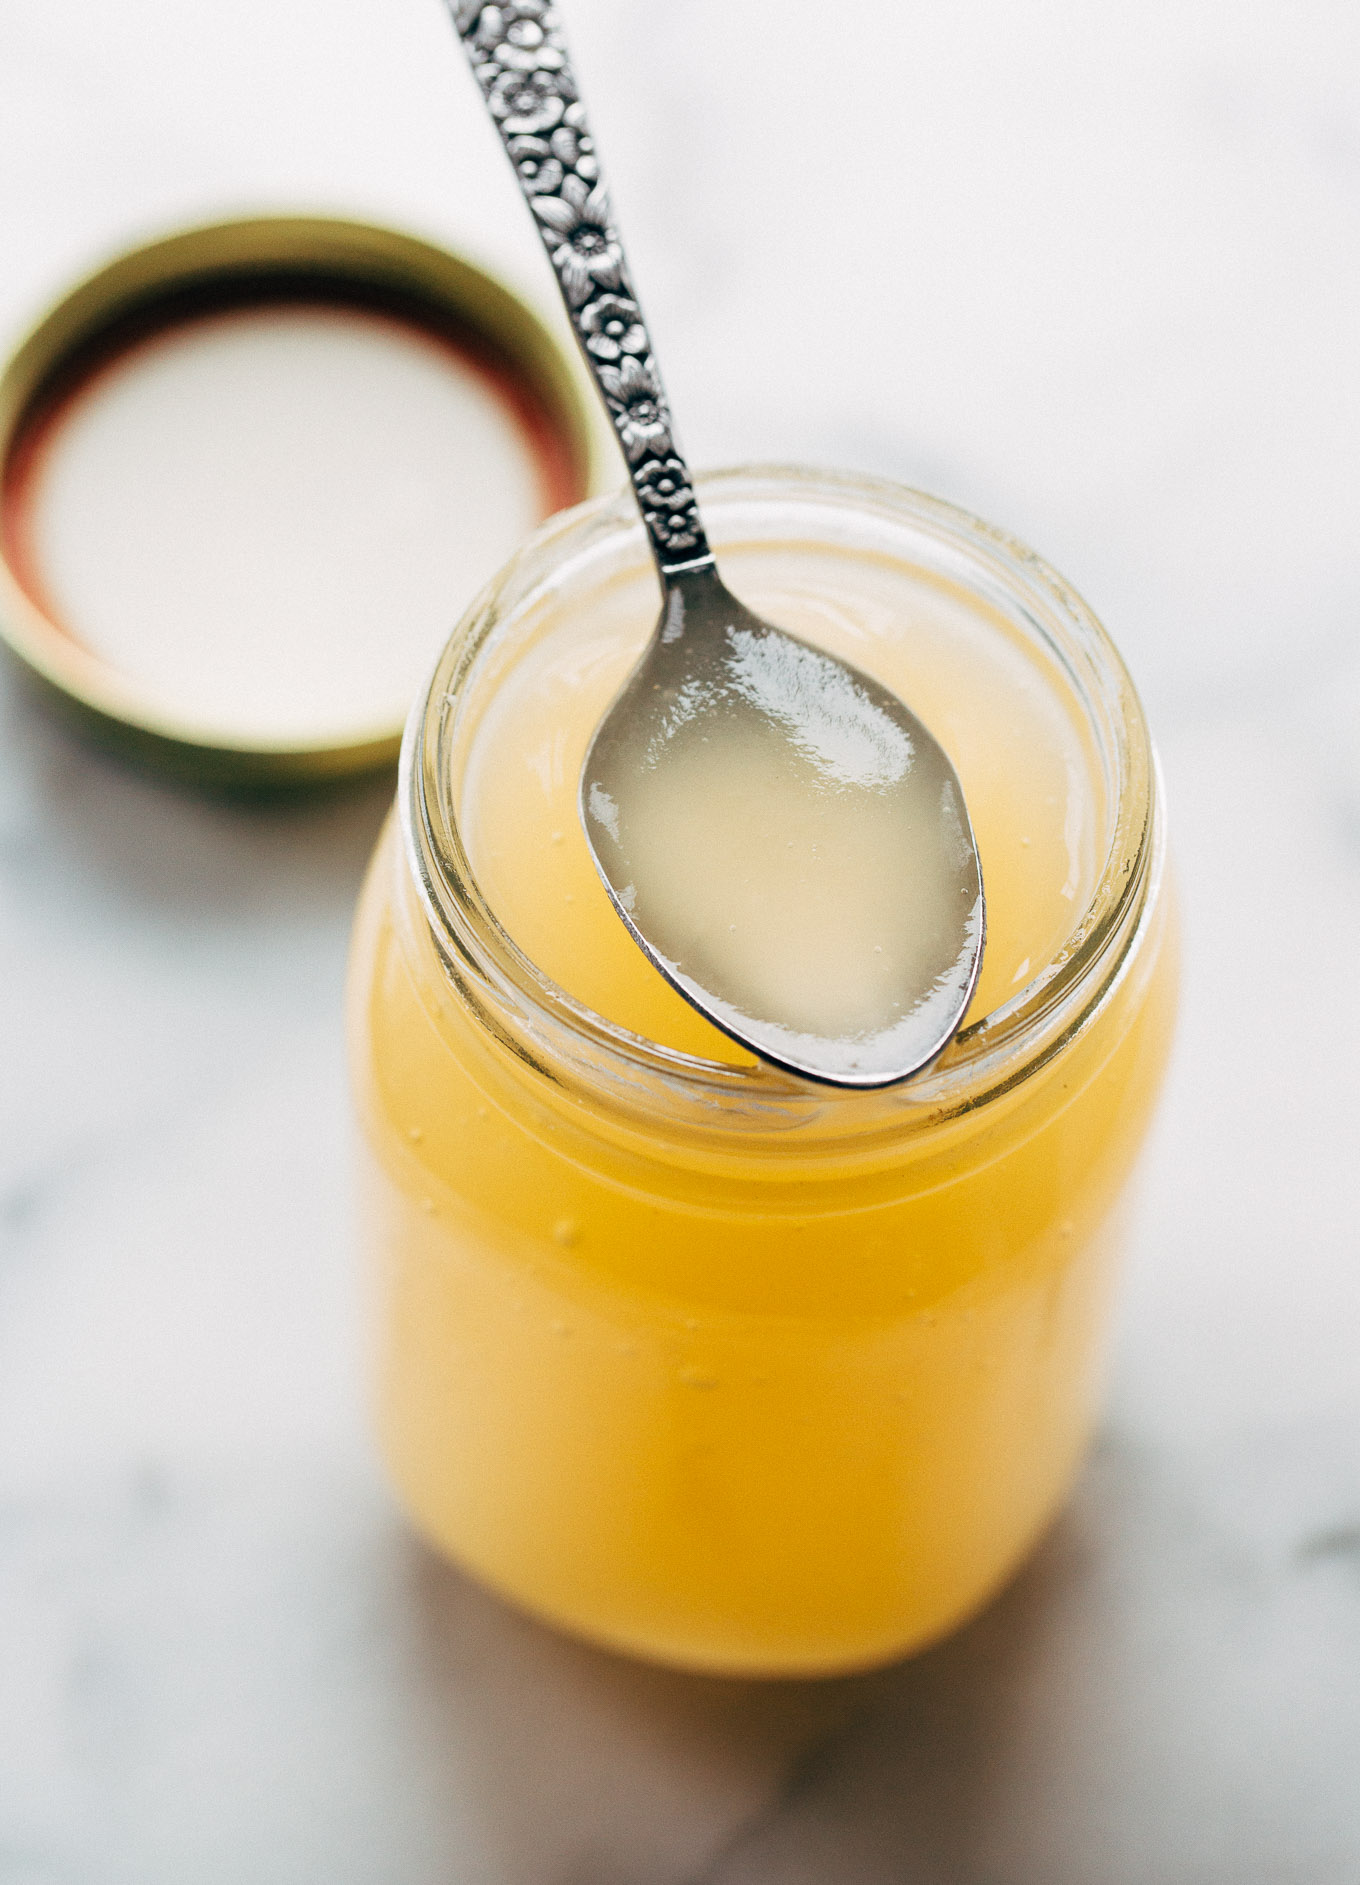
{"x": 516, "y": 50}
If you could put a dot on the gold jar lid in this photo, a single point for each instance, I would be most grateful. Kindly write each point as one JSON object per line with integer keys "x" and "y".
{"x": 253, "y": 473}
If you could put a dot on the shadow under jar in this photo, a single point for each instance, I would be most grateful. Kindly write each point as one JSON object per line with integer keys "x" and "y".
{"x": 679, "y": 1352}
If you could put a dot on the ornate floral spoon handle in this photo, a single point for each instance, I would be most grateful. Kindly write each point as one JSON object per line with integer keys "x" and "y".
{"x": 517, "y": 53}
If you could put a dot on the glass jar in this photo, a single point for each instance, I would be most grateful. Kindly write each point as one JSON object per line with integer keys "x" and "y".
{"x": 693, "y": 1358}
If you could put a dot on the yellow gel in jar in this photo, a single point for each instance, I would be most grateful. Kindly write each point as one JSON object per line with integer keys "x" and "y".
{"x": 688, "y": 1356}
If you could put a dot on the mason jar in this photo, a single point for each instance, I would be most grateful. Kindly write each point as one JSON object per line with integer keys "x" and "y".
{"x": 681, "y": 1353}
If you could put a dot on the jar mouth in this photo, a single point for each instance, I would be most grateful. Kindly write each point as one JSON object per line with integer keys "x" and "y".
{"x": 573, "y": 1045}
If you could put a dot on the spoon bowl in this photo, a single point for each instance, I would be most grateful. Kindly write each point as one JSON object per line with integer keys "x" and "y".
{"x": 787, "y": 843}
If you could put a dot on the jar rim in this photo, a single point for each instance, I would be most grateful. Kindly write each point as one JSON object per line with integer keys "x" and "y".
{"x": 572, "y": 1045}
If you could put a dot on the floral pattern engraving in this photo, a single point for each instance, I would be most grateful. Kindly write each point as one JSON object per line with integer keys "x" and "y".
{"x": 612, "y": 325}
{"x": 639, "y": 407}
{"x": 520, "y": 61}
{"x": 576, "y": 226}
{"x": 668, "y": 506}
{"x": 526, "y": 103}
{"x": 540, "y": 173}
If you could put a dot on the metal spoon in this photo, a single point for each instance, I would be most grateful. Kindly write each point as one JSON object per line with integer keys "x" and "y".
{"x": 782, "y": 836}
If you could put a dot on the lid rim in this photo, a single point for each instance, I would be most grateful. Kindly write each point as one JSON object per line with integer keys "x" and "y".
{"x": 314, "y": 250}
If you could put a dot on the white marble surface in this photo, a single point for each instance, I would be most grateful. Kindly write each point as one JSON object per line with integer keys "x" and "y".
{"x": 1094, "y": 271}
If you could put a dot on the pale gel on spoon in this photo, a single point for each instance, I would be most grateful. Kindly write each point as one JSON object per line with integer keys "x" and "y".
{"x": 789, "y": 844}
{"x": 782, "y": 836}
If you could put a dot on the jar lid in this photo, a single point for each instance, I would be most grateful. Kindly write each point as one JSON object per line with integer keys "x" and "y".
{"x": 254, "y": 473}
